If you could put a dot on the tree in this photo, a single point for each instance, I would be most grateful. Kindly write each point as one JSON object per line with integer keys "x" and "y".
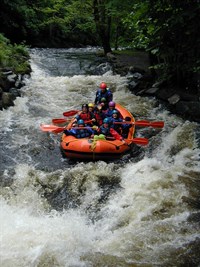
{"x": 169, "y": 31}
{"x": 102, "y": 20}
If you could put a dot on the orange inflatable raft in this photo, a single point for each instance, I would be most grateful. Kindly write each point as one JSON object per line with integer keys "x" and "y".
{"x": 97, "y": 149}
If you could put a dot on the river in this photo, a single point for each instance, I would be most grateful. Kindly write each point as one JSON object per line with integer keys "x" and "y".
{"x": 142, "y": 210}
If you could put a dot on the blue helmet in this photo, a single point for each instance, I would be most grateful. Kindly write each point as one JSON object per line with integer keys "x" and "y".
{"x": 115, "y": 112}
{"x": 80, "y": 122}
{"x": 106, "y": 120}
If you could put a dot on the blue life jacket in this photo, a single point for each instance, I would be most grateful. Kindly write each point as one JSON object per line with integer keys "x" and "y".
{"x": 116, "y": 127}
{"x": 107, "y": 95}
{"x": 83, "y": 133}
{"x": 105, "y": 131}
{"x": 109, "y": 113}
{"x": 79, "y": 133}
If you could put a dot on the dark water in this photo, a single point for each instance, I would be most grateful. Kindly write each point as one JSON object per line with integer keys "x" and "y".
{"x": 142, "y": 210}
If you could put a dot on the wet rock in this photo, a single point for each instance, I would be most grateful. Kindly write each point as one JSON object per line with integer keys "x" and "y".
{"x": 10, "y": 83}
{"x": 15, "y": 92}
{"x": 165, "y": 93}
{"x": 190, "y": 110}
{"x": 152, "y": 90}
{"x": 174, "y": 99}
{"x": 181, "y": 101}
{"x": 12, "y": 78}
{"x": 7, "y": 100}
{"x": 133, "y": 85}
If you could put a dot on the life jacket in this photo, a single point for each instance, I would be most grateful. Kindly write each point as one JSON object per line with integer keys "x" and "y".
{"x": 83, "y": 133}
{"x": 125, "y": 130}
{"x": 117, "y": 127}
{"x": 108, "y": 112}
{"x": 105, "y": 131}
{"x": 107, "y": 95}
{"x": 99, "y": 118}
{"x": 84, "y": 116}
{"x": 70, "y": 132}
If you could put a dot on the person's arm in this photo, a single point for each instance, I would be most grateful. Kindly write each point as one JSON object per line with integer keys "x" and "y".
{"x": 115, "y": 134}
{"x": 70, "y": 132}
{"x": 110, "y": 96}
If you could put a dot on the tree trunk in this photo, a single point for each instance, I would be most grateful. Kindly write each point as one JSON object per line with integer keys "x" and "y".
{"x": 103, "y": 23}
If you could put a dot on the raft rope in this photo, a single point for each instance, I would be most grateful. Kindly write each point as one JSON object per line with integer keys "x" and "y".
{"x": 103, "y": 138}
{"x": 95, "y": 139}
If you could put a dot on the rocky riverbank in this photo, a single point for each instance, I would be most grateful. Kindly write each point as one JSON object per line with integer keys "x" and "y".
{"x": 10, "y": 84}
{"x": 142, "y": 82}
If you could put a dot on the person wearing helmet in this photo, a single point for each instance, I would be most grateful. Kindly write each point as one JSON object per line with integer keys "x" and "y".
{"x": 115, "y": 118}
{"x": 109, "y": 111}
{"x": 81, "y": 131}
{"x": 104, "y": 104}
{"x": 99, "y": 115}
{"x": 80, "y": 123}
{"x": 85, "y": 115}
{"x": 103, "y": 92}
{"x": 126, "y": 127}
{"x": 108, "y": 131}
{"x": 91, "y": 105}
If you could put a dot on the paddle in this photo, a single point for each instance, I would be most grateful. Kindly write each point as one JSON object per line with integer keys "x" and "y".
{"x": 155, "y": 124}
{"x": 70, "y": 113}
{"x": 139, "y": 141}
{"x": 59, "y": 121}
{"x": 51, "y": 128}
{"x": 136, "y": 140}
{"x": 56, "y": 129}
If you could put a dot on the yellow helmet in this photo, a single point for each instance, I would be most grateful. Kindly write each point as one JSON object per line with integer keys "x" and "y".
{"x": 91, "y": 105}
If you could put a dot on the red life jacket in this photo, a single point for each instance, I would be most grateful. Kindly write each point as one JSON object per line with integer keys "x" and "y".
{"x": 99, "y": 118}
{"x": 85, "y": 116}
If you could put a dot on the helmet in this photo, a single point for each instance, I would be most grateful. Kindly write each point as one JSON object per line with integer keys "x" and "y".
{"x": 103, "y": 85}
{"x": 80, "y": 122}
{"x": 85, "y": 106}
{"x": 115, "y": 112}
{"x": 91, "y": 105}
{"x": 106, "y": 120}
{"x": 103, "y": 99}
{"x": 111, "y": 104}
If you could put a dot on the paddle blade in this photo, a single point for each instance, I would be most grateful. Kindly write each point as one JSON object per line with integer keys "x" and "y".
{"x": 58, "y": 130}
{"x": 157, "y": 124}
{"x": 51, "y": 128}
{"x": 140, "y": 141}
{"x": 154, "y": 124}
{"x": 59, "y": 121}
{"x": 70, "y": 113}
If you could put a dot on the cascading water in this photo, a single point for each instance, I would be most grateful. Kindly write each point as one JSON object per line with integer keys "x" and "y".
{"x": 139, "y": 211}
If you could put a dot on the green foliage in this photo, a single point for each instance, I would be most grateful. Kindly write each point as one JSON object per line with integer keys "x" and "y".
{"x": 14, "y": 56}
{"x": 175, "y": 41}
{"x": 168, "y": 29}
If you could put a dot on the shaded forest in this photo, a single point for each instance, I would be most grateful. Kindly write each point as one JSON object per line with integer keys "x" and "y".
{"x": 167, "y": 30}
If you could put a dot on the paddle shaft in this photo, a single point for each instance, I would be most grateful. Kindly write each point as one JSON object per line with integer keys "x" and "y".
{"x": 155, "y": 124}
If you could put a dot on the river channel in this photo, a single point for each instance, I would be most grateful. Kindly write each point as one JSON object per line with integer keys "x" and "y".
{"x": 141, "y": 210}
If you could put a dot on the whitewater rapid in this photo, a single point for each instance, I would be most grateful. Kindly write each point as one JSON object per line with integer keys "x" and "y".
{"x": 139, "y": 211}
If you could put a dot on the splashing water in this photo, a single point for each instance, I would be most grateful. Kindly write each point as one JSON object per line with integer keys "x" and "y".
{"x": 139, "y": 211}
